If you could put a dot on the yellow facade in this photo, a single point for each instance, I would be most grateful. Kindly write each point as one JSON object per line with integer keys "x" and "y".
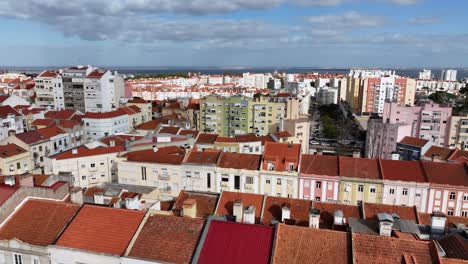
{"x": 353, "y": 190}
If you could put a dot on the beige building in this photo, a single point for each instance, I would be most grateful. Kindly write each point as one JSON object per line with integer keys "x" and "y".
{"x": 14, "y": 160}
{"x": 266, "y": 115}
{"x": 352, "y": 92}
{"x": 145, "y": 107}
{"x": 458, "y": 134}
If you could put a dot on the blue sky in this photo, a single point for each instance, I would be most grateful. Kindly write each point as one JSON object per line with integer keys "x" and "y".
{"x": 275, "y": 33}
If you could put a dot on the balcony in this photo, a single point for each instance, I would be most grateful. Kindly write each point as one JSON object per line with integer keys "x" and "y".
{"x": 164, "y": 177}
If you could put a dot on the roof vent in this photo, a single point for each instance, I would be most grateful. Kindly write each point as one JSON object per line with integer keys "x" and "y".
{"x": 237, "y": 210}
{"x": 249, "y": 215}
{"x": 75, "y": 151}
{"x": 385, "y": 224}
{"x": 314, "y": 218}
{"x": 338, "y": 218}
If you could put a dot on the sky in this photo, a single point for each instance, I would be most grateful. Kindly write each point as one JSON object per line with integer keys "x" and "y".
{"x": 231, "y": 33}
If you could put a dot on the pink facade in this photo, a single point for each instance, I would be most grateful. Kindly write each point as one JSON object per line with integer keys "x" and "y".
{"x": 429, "y": 121}
{"x": 450, "y": 200}
{"x": 318, "y": 187}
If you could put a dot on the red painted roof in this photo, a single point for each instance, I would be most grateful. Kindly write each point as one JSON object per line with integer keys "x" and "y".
{"x": 167, "y": 155}
{"x": 104, "y": 115}
{"x": 101, "y": 229}
{"x": 6, "y": 193}
{"x": 230, "y": 242}
{"x": 43, "y": 122}
{"x": 319, "y": 165}
{"x": 405, "y": 212}
{"x": 7, "y": 110}
{"x": 38, "y": 222}
{"x": 3, "y": 98}
{"x": 86, "y": 152}
{"x": 438, "y": 152}
{"x": 446, "y": 173}
{"x": 414, "y": 141}
{"x": 239, "y": 161}
{"x": 51, "y": 131}
{"x": 402, "y": 170}
{"x": 299, "y": 210}
{"x": 186, "y": 132}
{"x": 310, "y": 245}
{"x": 458, "y": 154}
{"x": 10, "y": 150}
{"x": 227, "y": 199}
{"x": 167, "y": 239}
{"x": 60, "y": 114}
{"x": 96, "y": 74}
{"x": 153, "y": 124}
{"x": 169, "y": 130}
{"x": 204, "y": 138}
{"x": 281, "y": 154}
{"x": 69, "y": 123}
{"x": 48, "y": 74}
{"x": 30, "y": 137}
{"x": 359, "y": 168}
{"x": 203, "y": 157}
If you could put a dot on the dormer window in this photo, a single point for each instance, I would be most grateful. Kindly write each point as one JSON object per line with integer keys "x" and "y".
{"x": 270, "y": 166}
{"x": 291, "y": 166}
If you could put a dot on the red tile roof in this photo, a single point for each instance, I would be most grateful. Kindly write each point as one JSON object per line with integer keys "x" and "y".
{"x": 10, "y": 150}
{"x": 310, "y": 245}
{"x": 104, "y": 115}
{"x": 239, "y": 161}
{"x": 225, "y": 205}
{"x": 130, "y": 110}
{"x": 458, "y": 154}
{"x": 69, "y": 123}
{"x": 327, "y": 211}
{"x": 405, "y": 212}
{"x": 225, "y": 139}
{"x": 38, "y": 222}
{"x": 446, "y": 173}
{"x": 380, "y": 249}
{"x": 30, "y": 137}
{"x": 6, "y": 193}
{"x": 43, "y": 122}
{"x": 3, "y": 98}
{"x": 282, "y": 134}
{"x": 439, "y": 152}
{"x": 48, "y": 74}
{"x": 119, "y": 140}
{"x": 169, "y": 130}
{"x": 153, "y": 124}
{"x": 49, "y": 132}
{"x": 101, "y": 229}
{"x": 86, "y": 152}
{"x": 230, "y": 242}
{"x": 137, "y": 100}
{"x": 60, "y": 114}
{"x": 204, "y": 138}
{"x": 206, "y": 202}
{"x": 166, "y": 155}
{"x": 359, "y": 168}
{"x": 455, "y": 246}
{"x": 247, "y": 138}
{"x": 7, "y": 110}
{"x": 96, "y": 74}
{"x": 185, "y": 132}
{"x": 414, "y": 141}
{"x": 319, "y": 165}
{"x": 203, "y": 157}
{"x": 167, "y": 239}
{"x": 281, "y": 154}
{"x": 402, "y": 170}
{"x": 299, "y": 210}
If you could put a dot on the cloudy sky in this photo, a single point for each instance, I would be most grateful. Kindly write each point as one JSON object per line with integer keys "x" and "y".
{"x": 276, "y": 33}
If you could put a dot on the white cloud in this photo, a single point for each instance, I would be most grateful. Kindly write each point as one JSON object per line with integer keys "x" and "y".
{"x": 424, "y": 20}
{"x": 348, "y": 20}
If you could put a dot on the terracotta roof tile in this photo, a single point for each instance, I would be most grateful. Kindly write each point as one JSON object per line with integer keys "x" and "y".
{"x": 299, "y": 210}
{"x": 206, "y": 202}
{"x": 166, "y": 155}
{"x": 439, "y": 152}
{"x": 96, "y": 74}
{"x": 280, "y": 154}
{"x": 60, "y": 114}
{"x": 104, "y": 115}
{"x": 48, "y": 74}
{"x": 239, "y": 161}
{"x": 10, "y": 150}
{"x": 167, "y": 239}
{"x": 402, "y": 170}
{"x": 6, "y": 193}
{"x": 186, "y": 132}
{"x": 319, "y": 165}
{"x": 137, "y": 100}
{"x": 327, "y": 212}
{"x": 203, "y": 157}
{"x": 247, "y": 138}
{"x": 446, "y": 173}
{"x": 49, "y": 132}
{"x": 204, "y": 138}
{"x": 359, "y": 168}
{"x": 230, "y": 242}
{"x": 119, "y": 140}
{"x": 43, "y": 122}
{"x": 101, "y": 229}
{"x": 455, "y": 246}
{"x": 169, "y": 130}
{"x": 226, "y": 139}
{"x": 414, "y": 141}
{"x": 86, "y": 152}
{"x": 38, "y": 222}
{"x": 309, "y": 245}
{"x": 30, "y": 137}
{"x": 405, "y": 212}
{"x": 226, "y": 203}
{"x": 458, "y": 154}
{"x": 7, "y": 110}
{"x": 153, "y": 124}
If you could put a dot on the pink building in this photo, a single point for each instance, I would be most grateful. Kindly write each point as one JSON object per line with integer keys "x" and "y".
{"x": 319, "y": 178}
{"x": 428, "y": 121}
{"x": 448, "y": 188}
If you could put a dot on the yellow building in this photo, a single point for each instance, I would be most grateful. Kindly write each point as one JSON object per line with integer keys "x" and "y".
{"x": 14, "y": 160}
{"x": 352, "y": 93}
{"x": 266, "y": 115}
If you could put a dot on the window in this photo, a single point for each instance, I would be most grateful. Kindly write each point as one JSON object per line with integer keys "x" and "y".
{"x": 17, "y": 258}
{"x": 418, "y": 195}
{"x": 405, "y": 191}
{"x": 188, "y": 174}
{"x": 237, "y": 182}
{"x": 249, "y": 180}
{"x": 143, "y": 173}
{"x": 464, "y": 213}
{"x": 83, "y": 178}
{"x": 278, "y": 181}
{"x": 208, "y": 180}
{"x": 35, "y": 260}
{"x": 93, "y": 165}
{"x": 372, "y": 190}
{"x": 83, "y": 165}
{"x": 450, "y": 212}
{"x": 392, "y": 191}
{"x": 318, "y": 185}
{"x": 291, "y": 166}
{"x": 452, "y": 196}
{"x": 317, "y": 199}
{"x": 465, "y": 197}
{"x": 18, "y": 165}
{"x": 225, "y": 179}
{"x": 267, "y": 181}
{"x": 102, "y": 163}
{"x": 360, "y": 188}
{"x": 40, "y": 148}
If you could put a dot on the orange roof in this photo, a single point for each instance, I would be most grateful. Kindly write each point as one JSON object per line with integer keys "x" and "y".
{"x": 405, "y": 212}
{"x": 166, "y": 155}
{"x": 310, "y": 245}
{"x": 69, "y": 123}
{"x": 101, "y": 229}
{"x": 167, "y": 239}
{"x": 111, "y": 114}
{"x": 96, "y": 74}
{"x": 239, "y": 161}
{"x": 402, "y": 170}
{"x": 455, "y": 246}
{"x": 225, "y": 139}
{"x": 186, "y": 132}
{"x": 153, "y": 124}
{"x": 48, "y": 74}
{"x": 10, "y": 150}
{"x": 38, "y": 222}
{"x": 446, "y": 173}
{"x": 43, "y": 122}
{"x": 51, "y": 131}
{"x": 359, "y": 168}
{"x": 60, "y": 115}
{"x": 281, "y": 154}
{"x": 299, "y": 210}
{"x": 85, "y": 152}
{"x": 247, "y": 138}
{"x": 206, "y": 202}
{"x": 203, "y": 157}
{"x": 380, "y": 249}
{"x": 169, "y": 130}
{"x": 119, "y": 140}
{"x": 327, "y": 211}
{"x": 204, "y": 138}
{"x": 414, "y": 141}
{"x": 227, "y": 199}
{"x": 458, "y": 154}
{"x": 137, "y": 100}
{"x": 319, "y": 165}
{"x": 439, "y": 152}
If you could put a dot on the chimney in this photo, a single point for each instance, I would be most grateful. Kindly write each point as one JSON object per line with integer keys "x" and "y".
{"x": 11, "y": 132}
{"x": 314, "y": 218}
{"x": 438, "y": 220}
{"x": 189, "y": 208}
{"x": 237, "y": 210}
{"x": 435, "y": 157}
{"x": 155, "y": 149}
{"x": 112, "y": 143}
{"x": 338, "y": 218}
{"x": 74, "y": 151}
{"x": 249, "y": 215}
{"x": 385, "y": 224}
{"x": 285, "y": 213}
{"x": 76, "y": 195}
{"x": 10, "y": 180}
{"x": 395, "y": 156}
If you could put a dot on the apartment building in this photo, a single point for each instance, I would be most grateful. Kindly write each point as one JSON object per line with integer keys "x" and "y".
{"x": 238, "y": 172}
{"x": 102, "y": 90}
{"x": 14, "y": 160}
{"x": 199, "y": 171}
{"x": 99, "y": 125}
{"x": 73, "y": 87}
{"x": 458, "y": 135}
{"x": 319, "y": 178}
{"x": 212, "y": 115}
{"x": 10, "y": 121}
{"x": 145, "y": 108}
{"x": 49, "y": 90}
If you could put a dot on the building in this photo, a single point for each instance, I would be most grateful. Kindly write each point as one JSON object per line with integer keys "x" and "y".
{"x": 411, "y": 148}
{"x": 425, "y": 75}
{"x": 99, "y": 125}
{"x": 10, "y": 120}
{"x": 458, "y": 137}
{"x": 238, "y": 172}
{"x": 319, "y": 178}
{"x": 448, "y": 75}
{"x": 88, "y": 167}
{"x": 73, "y": 87}
{"x": 145, "y": 108}
{"x": 14, "y": 160}
{"x": 199, "y": 171}
{"x": 278, "y": 174}
{"x": 49, "y": 90}
{"x": 102, "y": 90}
{"x": 382, "y": 137}
{"x": 26, "y": 234}
{"x": 327, "y": 95}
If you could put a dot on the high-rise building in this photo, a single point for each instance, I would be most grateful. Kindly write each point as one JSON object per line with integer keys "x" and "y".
{"x": 448, "y": 75}
{"x": 425, "y": 74}
{"x": 49, "y": 90}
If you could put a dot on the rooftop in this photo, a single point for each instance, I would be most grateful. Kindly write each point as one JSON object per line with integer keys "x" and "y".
{"x": 299, "y": 210}
{"x": 104, "y": 115}
{"x": 437, "y": 173}
{"x": 239, "y": 161}
{"x": 360, "y": 168}
{"x": 402, "y": 170}
{"x": 204, "y": 138}
{"x": 206, "y": 202}
{"x": 6, "y": 110}
{"x": 166, "y": 155}
{"x": 281, "y": 154}
{"x": 405, "y": 212}
{"x": 169, "y": 130}
{"x": 86, "y": 152}
{"x": 10, "y": 150}
{"x": 203, "y": 157}
{"x": 225, "y": 205}
{"x": 319, "y": 165}
{"x": 414, "y": 141}
{"x": 455, "y": 246}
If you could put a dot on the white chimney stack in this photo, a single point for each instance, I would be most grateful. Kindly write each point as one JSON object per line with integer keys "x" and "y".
{"x": 112, "y": 143}
{"x": 314, "y": 218}
{"x": 385, "y": 224}
{"x": 338, "y": 217}
{"x": 285, "y": 213}
{"x": 438, "y": 220}
{"x": 10, "y": 181}
{"x": 249, "y": 215}
{"x": 74, "y": 151}
{"x": 237, "y": 210}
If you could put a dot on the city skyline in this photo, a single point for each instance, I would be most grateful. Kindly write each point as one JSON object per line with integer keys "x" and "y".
{"x": 335, "y": 33}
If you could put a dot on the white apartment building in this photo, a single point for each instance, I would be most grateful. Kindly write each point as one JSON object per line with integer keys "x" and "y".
{"x": 238, "y": 172}
{"x": 49, "y": 90}
{"x": 449, "y": 75}
{"x": 199, "y": 171}
{"x": 99, "y": 91}
{"x": 327, "y": 96}
{"x": 89, "y": 167}
{"x": 425, "y": 74}
{"x": 99, "y": 125}
{"x": 10, "y": 120}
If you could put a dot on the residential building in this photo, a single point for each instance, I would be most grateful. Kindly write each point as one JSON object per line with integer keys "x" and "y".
{"x": 199, "y": 171}
{"x": 382, "y": 137}
{"x": 96, "y": 235}
{"x": 102, "y": 90}
{"x": 327, "y": 95}
{"x": 425, "y": 75}
{"x": 158, "y": 167}
{"x": 73, "y": 87}
{"x": 26, "y": 234}
{"x": 458, "y": 137}
{"x": 238, "y": 172}
{"x": 10, "y": 120}
{"x": 266, "y": 115}
{"x": 49, "y": 90}
{"x": 411, "y": 148}
{"x": 13, "y": 100}
{"x": 448, "y": 75}
{"x": 319, "y": 178}
{"x": 299, "y": 129}
{"x": 99, "y": 125}
{"x": 278, "y": 174}
{"x": 212, "y": 112}
{"x": 88, "y": 167}
{"x": 145, "y": 108}
{"x": 14, "y": 160}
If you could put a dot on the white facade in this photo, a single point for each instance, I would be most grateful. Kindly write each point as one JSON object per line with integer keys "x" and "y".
{"x": 327, "y": 96}
{"x": 11, "y": 122}
{"x": 14, "y": 249}
{"x": 99, "y": 93}
{"x": 449, "y": 75}
{"x": 425, "y": 74}
{"x": 405, "y": 194}
{"x": 199, "y": 178}
{"x": 49, "y": 91}
{"x": 97, "y": 128}
{"x": 279, "y": 184}
{"x": 248, "y": 180}
{"x": 62, "y": 255}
